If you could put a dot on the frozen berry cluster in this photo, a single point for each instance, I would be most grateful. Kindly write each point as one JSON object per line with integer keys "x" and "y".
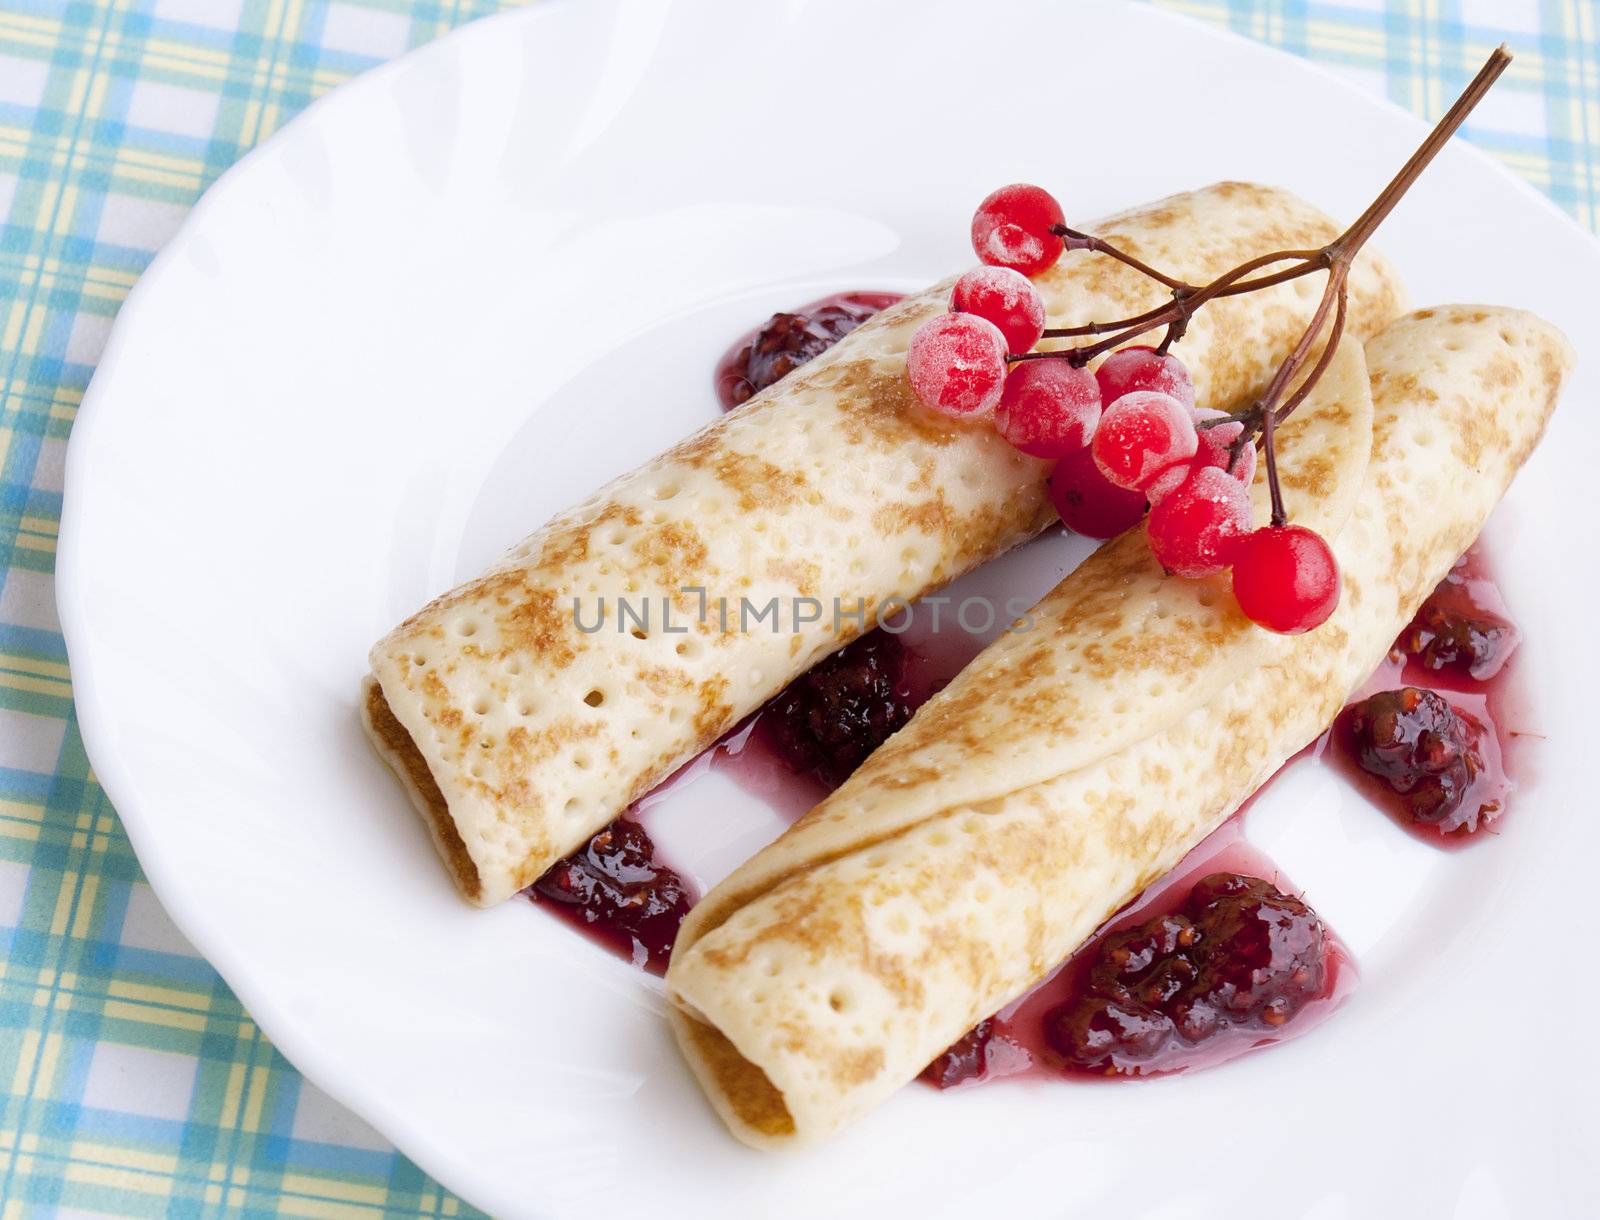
{"x": 1126, "y": 438}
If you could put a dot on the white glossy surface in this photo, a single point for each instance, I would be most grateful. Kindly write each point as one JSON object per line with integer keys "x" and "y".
{"x": 391, "y": 341}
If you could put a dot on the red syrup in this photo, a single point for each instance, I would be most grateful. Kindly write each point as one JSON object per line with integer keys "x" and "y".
{"x": 1448, "y": 676}
{"x": 1025, "y": 1037}
{"x": 618, "y": 891}
{"x": 764, "y": 355}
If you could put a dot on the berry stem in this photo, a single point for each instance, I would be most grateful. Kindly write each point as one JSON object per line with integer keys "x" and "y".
{"x": 1225, "y": 285}
{"x": 1266, "y": 413}
{"x": 1336, "y": 258}
{"x": 1269, "y": 450}
{"x": 1087, "y": 241}
{"x": 1323, "y": 361}
{"x": 1353, "y": 238}
{"x": 1340, "y": 255}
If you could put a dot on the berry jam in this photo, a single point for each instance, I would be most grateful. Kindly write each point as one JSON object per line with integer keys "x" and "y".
{"x": 965, "y": 1059}
{"x": 984, "y": 1052}
{"x": 787, "y": 340}
{"x": 1216, "y": 959}
{"x": 1239, "y": 956}
{"x": 829, "y": 719}
{"x": 1463, "y": 627}
{"x": 1426, "y": 736}
{"x": 812, "y": 736}
{"x": 1432, "y": 756}
{"x": 618, "y": 890}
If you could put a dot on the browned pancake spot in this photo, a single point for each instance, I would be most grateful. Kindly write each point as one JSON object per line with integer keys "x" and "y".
{"x": 676, "y": 552}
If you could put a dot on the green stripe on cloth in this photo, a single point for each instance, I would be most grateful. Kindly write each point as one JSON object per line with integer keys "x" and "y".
{"x": 133, "y": 1081}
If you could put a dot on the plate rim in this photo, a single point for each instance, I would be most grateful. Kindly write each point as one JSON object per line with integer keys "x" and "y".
{"x": 296, "y": 1041}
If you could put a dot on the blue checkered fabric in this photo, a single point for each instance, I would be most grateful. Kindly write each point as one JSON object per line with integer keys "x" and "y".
{"x": 133, "y": 1081}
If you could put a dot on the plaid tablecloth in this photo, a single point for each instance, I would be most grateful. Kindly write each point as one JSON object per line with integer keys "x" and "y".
{"x": 133, "y": 1081}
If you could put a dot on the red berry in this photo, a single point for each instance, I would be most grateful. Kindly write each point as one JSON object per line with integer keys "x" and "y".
{"x": 1169, "y": 480}
{"x": 957, "y": 364}
{"x": 1285, "y": 578}
{"x": 1216, "y": 445}
{"x": 1143, "y": 368}
{"x": 1048, "y": 408}
{"x": 1140, "y": 435}
{"x": 1088, "y": 502}
{"x": 1006, "y": 298}
{"x": 1194, "y": 528}
{"x": 1214, "y": 449}
{"x": 1012, "y": 228}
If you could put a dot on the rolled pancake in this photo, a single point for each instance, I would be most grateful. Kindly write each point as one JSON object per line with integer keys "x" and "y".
{"x": 518, "y": 735}
{"x": 1069, "y": 766}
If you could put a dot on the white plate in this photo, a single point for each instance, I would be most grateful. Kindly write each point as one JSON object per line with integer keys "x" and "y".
{"x": 462, "y": 292}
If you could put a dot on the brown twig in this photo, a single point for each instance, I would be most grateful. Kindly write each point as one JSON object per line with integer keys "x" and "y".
{"x": 1087, "y": 241}
{"x": 1336, "y": 258}
{"x": 1225, "y": 285}
{"x": 1342, "y": 250}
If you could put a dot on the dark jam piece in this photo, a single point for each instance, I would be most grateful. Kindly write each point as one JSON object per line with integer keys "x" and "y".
{"x": 618, "y": 889}
{"x": 1474, "y": 644}
{"x": 1209, "y": 963}
{"x": 788, "y": 340}
{"x": 1427, "y": 734}
{"x": 965, "y": 1060}
{"x": 779, "y": 765}
{"x": 1428, "y": 753}
{"x": 1239, "y": 957}
{"x": 829, "y": 719}
{"x": 1453, "y": 631}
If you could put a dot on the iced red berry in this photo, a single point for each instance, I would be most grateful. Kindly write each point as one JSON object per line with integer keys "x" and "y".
{"x": 1143, "y": 368}
{"x": 1214, "y": 448}
{"x": 1216, "y": 444}
{"x": 1005, "y": 297}
{"x": 957, "y": 364}
{"x": 1285, "y": 578}
{"x": 1140, "y": 435}
{"x": 1194, "y": 528}
{"x": 1014, "y": 227}
{"x": 1088, "y": 502}
{"x": 1048, "y": 408}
